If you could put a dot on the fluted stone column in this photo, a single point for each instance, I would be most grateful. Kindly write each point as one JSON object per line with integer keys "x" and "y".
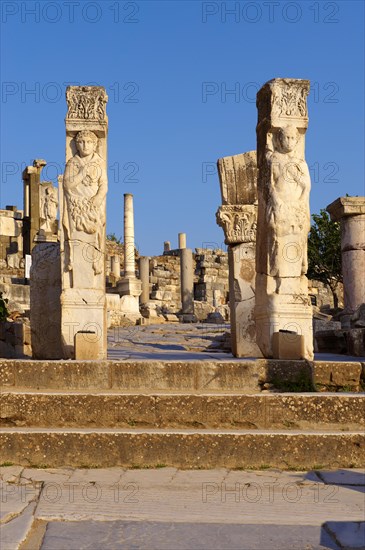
{"x": 238, "y": 216}
{"x": 182, "y": 241}
{"x": 187, "y": 285}
{"x": 144, "y": 275}
{"x": 350, "y": 211}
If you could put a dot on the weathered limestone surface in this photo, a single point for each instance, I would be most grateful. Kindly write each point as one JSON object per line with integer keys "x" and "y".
{"x": 350, "y": 211}
{"x": 282, "y": 301}
{"x": 45, "y": 301}
{"x": 238, "y": 216}
{"x": 11, "y": 239}
{"x": 83, "y": 217}
{"x": 144, "y": 275}
{"x": 32, "y": 203}
{"x": 187, "y": 281}
{"x": 182, "y": 240}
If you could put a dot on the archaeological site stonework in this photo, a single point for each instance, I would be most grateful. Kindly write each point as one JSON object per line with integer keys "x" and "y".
{"x": 282, "y": 302}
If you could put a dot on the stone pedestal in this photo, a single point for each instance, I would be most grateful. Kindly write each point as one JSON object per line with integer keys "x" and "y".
{"x": 283, "y": 223}
{"x": 144, "y": 275}
{"x": 83, "y": 218}
{"x": 237, "y": 217}
{"x": 182, "y": 240}
{"x": 350, "y": 211}
{"x": 187, "y": 285}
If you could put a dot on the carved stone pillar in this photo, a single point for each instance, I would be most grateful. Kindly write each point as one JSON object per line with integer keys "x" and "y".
{"x": 83, "y": 217}
{"x": 237, "y": 216}
{"x": 350, "y": 211}
{"x": 282, "y": 302}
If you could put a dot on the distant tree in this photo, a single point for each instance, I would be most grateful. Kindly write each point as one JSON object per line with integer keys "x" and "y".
{"x": 112, "y": 237}
{"x": 324, "y": 252}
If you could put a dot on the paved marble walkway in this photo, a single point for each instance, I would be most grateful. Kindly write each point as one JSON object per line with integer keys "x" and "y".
{"x": 166, "y": 508}
{"x": 175, "y": 341}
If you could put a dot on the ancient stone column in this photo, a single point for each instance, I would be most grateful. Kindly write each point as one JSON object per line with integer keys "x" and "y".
{"x": 187, "y": 285}
{"x": 83, "y": 219}
{"x": 282, "y": 302}
{"x": 350, "y": 211}
{"x": 129, "y": 259}
{"x": 182, "y": 240}
{"x": 144, "y": 275}
{"x": 129, "y": 287}
{"x": 115, "y": 266}
{"x": 166, "y": 246}
{"x": 238, "y": 216}
{"x": 32, "y": 203}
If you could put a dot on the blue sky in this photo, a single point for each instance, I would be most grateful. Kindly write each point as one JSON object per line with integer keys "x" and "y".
{"x": 168, "y": 68}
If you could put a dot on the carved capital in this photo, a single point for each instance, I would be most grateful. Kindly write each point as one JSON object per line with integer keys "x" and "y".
{"x": 238, "y": 222}
{"x": 284, "y": 101}
{"x": 86, "y": 103}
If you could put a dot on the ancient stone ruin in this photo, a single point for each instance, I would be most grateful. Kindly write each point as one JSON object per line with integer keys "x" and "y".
{"x": 283, "y": 312}
{"x": 83, "y": 219}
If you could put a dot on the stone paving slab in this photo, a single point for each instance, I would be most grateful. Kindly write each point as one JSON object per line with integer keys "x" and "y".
{"x": 350, "y": 535}
{"x": 166, "y": 508}
{"x": 183, "y": 536}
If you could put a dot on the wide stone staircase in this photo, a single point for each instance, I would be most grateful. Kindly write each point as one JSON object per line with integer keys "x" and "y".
{"x": 187, "y": 414}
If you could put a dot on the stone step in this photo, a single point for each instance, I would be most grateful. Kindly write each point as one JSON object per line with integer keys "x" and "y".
{"x": 134, "y": 376}
{"x": 182, "y": 448}
{"x": 208, "y": 375}
{"x": 314, "y": 411}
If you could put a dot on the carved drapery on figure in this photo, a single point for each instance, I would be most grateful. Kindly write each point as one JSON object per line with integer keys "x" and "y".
{"x": 85, "y": 187}
{"x": 49, "y": 208}
{"x": 287, "y": 205}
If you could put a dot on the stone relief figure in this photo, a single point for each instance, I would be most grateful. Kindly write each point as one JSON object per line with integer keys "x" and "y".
{"x": 85, "y": 187}
{"x": 49, "y": 208}
{"x": 287, "y": 210}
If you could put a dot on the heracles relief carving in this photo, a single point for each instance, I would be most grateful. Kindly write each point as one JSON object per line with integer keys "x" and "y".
{"x": 238, "y": 223}
{"x": 287, "y": 205}
{"x": 85, "y": 187}
{"x": 89, "y": 103}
